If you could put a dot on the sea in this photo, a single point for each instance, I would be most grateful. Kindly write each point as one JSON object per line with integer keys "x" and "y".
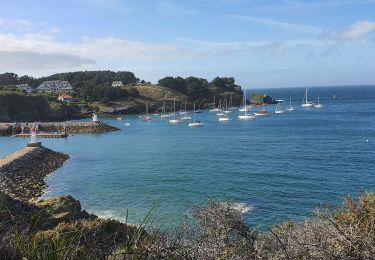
{"x": 275, "y": 168}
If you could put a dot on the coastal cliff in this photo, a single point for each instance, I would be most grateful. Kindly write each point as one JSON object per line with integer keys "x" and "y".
{"x": 28, "y": 108}
{"x": 45, "y": 228}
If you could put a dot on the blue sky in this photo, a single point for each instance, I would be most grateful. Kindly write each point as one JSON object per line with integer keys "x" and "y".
{"x": 265, "y": 43}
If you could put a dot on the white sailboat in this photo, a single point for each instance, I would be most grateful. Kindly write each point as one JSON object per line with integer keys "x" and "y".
{"x": 279, "y": 109}
{"x": 231, "y": 107}
{"x": 184, "y": 112}
{"x": 195, "y": 123}
{"x": 319, "y": 105}
{"x": 163, "y": 112}
{"x": 214, "y": 109}
{"x": 224, "y": 118}
{"x": 244, "y": 108}
{"x": 186, "y": 115}
{"x": 174, "y": 120}
{"x": 245, "y": 116}
{"x": 305, "y": 102}
{"x": 291, "y": 108}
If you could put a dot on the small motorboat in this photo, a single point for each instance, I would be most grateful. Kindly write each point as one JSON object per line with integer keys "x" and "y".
{"x": 262, "y": 112}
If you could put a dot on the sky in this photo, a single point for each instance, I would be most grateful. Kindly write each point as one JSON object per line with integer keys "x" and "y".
{"x": 268, "y": 43}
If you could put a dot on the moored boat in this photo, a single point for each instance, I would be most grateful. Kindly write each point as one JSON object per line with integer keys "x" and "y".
{"x": 305, "y": 102}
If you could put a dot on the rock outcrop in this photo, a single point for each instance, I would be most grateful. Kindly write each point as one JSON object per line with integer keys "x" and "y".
{"x": 22, "y": 173}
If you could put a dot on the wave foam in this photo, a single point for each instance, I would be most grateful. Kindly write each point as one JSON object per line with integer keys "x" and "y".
{"x": 241, "y": 207}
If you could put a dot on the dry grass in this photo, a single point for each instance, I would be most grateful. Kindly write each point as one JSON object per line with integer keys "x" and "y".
{"x": 215, "y": 231}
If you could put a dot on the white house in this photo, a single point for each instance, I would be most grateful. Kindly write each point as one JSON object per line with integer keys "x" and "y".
{"x": 25, "y": 87}
{"x": 117, "y": 84}
{"x": 55, "y": 86}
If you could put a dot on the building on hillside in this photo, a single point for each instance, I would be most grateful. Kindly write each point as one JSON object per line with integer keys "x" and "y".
{"x": 117, "y": 84}
{"x": 55, "y": 86}
{"x": 65, "y": 98}
{"x": 25, "y": 87}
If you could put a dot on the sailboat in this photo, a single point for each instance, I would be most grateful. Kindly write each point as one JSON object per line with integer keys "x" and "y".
{"x": 163, "y": 113}
{"x": 174, "y": 120}
{"x": 224, "y": 118}
{"x": 195, "y": 123}
{"x": 305, "y": 102}
{"x": 318, "y": 105}
{"x": 214, "y": 109}
{"x": 245, "y": 116}
{"x": 186, "y": 115}
{"x": 226, "y": 109}
{"x": 184, "y": 112}
{"x": 147, "y": 117}
{"x": 243, "y": 107}
{"x": 279, "y": 109}
{"x": 231, "y": 107}
{"x": 291, "y": 108}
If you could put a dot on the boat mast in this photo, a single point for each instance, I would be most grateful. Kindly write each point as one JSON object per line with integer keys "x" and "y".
{"x": 244, "y": 100}
{"x": 174, "y": 107}
{"x": 194, "y": 114}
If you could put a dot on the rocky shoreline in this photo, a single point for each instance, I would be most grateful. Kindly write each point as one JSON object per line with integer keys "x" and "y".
{"x": 27, "y": 219}
{"x": 22, "y": 173}
{"x": 9, "y": 129}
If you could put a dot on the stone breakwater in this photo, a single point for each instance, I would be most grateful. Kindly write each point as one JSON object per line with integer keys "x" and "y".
{"x": 8, "y": 129}
{"x": 22, "y": 173}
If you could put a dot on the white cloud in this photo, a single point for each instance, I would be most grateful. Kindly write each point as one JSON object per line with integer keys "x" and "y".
{"x": 23, "y": 60}
{"x": 358, "y": 31}
{"x": 40, "y": 50}
{"x": 267, "y": 48}
{"x": 19, "y": 23}
{"x": 301, "y": 28}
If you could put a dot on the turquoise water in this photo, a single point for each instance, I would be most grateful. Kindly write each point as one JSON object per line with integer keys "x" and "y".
{"x": 282, "y": 166}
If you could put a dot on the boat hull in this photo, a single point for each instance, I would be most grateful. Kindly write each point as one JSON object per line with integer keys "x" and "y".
{"x": 195, "y": 124}
{"x": 246, "y": 117}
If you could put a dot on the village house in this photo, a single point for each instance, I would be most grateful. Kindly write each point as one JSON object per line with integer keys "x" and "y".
{"x": 65, "y": 98}
{"x": 117, "y": 84}
{"x": 55, "y": 86}
{"x": 25, "y": 87}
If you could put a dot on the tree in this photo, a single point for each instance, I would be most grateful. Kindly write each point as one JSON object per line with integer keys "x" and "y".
{"x": 177, "y": 84}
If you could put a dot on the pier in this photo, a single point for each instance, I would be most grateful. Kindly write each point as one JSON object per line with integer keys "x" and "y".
{"x": 49, "y": 129}
{"x": 43, "y": 135}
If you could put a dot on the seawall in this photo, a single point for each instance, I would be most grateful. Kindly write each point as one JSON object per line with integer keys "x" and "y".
{"x": 22, "y": 173}
{"x": 8, "y": 129}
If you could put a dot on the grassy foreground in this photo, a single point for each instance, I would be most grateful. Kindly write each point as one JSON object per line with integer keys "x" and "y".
{"x": 217, "y": 231}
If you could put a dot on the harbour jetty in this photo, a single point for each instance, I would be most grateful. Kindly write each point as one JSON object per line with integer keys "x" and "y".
{"x": 22, "y": 173}
{"x": 69, "y": 127}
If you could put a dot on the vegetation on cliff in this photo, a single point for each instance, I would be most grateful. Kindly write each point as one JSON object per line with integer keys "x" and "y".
{"x": 58, "y": 229}
{"x": 16, "y": 106}
{"x": 94, "y": 90}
